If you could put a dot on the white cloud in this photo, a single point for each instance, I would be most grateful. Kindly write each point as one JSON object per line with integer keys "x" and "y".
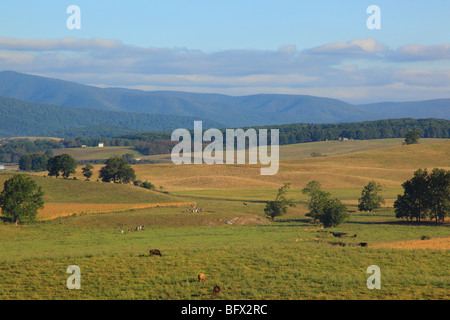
{"x": 354, "y": 70}
{"x": 416, "y": 52}
{"x": 354, "y": 47}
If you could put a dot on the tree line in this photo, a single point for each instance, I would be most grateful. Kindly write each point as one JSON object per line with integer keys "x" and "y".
{"x": 11, "y": 151}
{"x": 150, "y": 143}
{"x": 367, "y": 130}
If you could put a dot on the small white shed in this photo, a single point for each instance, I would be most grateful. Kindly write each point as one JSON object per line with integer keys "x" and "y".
{"x": 2, "y": 167}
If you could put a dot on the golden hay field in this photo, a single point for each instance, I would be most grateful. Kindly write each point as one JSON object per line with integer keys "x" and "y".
{"x": 387, "y": 203}
{"x": 56, "y": 210}
{"x": 440, "y": 243}
{"x": 389, "y": 166}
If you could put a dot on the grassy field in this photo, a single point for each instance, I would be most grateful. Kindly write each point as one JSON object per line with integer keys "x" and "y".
{"x": 234, "y": 245}
{"x": 332, "y": 148}
{"x": 290, "y": 258}
{"x": 95, "y": 153}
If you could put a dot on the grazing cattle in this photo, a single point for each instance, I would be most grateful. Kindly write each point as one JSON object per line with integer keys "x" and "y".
{"x": 363, "y": 244}
{"x": 216, "y": 290}
{"x": 355, "y": 235}
{"x": 245, "y": 203}
{"x": 155, "y": 252}
{"x": 201, "y": 277}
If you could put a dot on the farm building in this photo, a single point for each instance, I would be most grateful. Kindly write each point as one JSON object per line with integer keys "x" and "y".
{"x": 101, "y": 145}
{"x": 2, "y": 167}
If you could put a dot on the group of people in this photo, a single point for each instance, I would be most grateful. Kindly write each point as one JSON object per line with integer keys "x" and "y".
{"x": 194, "y": 210}
{"x": 140, "y": 228}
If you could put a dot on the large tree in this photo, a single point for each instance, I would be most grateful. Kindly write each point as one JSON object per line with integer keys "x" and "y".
{"x": 64, "y": 165}
{"x": 439, "y": 194}
{"x": 87, "y": 171}
{"x": 67, "y": 165}
{"x": 412, "y": 137}
{"x": 413, "y": 203}
{"x": 117, "y": 170}
{"x": 317, "y": 200}
{"x": 52, "y": 167}
{"x": 280, "y": 205}
{"x": 21, "y": 198}
{"x": 425, "y": 196}
{"x": 330, "y": 212}
{"x": 371, "y": 197}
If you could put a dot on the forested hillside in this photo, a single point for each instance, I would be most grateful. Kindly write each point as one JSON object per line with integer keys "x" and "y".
{"x": 20, "y": 118}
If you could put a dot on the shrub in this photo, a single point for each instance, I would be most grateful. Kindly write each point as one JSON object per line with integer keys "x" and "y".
{"x": 148, "y": 185}
{"x": 334, "y": 213}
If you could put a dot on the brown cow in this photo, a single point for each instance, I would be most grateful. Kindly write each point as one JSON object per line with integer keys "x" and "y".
{"x": 216, "y": 290}
{"x": 155, "y": 252}
{"x": 201, "y": 277}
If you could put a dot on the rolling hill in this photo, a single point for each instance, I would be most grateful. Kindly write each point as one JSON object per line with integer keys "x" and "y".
{"x": 65, "y": 197}
{"x": 344, "y": 172}
{"x": 252, "y": 110}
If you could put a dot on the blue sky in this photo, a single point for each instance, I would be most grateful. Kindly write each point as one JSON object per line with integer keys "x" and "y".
{"x": 237, "y": 47}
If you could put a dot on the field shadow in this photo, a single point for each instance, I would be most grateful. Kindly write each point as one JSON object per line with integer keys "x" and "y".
{"x": 6, "y": 220}
{"x": 291, "y": 222}
{"x": 401, "y": 223}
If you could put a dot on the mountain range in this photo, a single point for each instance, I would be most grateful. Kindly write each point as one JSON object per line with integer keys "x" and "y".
{"x": 136, "y": 110}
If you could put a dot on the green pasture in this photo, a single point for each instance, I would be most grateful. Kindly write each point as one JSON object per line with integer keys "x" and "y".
{"x": 290, "y": 258}
{"x": 232, "y": 243}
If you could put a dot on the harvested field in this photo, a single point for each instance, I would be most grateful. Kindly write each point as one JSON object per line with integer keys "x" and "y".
{"x": 440, "y": 243}
{"x": 56, "y": 210}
